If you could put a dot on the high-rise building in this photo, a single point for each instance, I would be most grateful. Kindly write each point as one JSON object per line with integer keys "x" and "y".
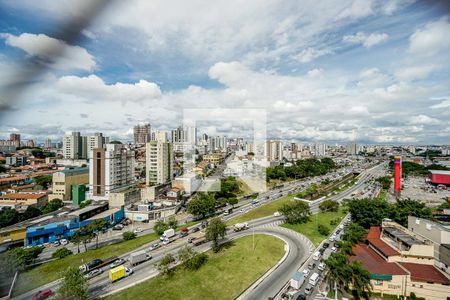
{"x": 273, "y": 150}
{"x": 30, "y": 143}
{"x": 352, "y": 149}
{"x": 159, "y": 162}
{"x": 74, "y": 146}
{"x": 96, "y": 141}
{"x": 142, "y": 133}
{"x": 47, "y": 143}
{"x": 161, "y": 136}
{"x": 320, "y": 149}
{"x": 110, "y": 168}
{"x": 15, "y": 138}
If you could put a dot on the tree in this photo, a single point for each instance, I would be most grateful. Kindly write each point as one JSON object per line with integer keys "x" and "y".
{"x": 83, "y": 235}
{"x": 61, "y": 253}
{"x": 22, "y": 257}
{"x": 85, "y": 203}
{"x": 329, "y": 205}
{"x": 202, "y": 204}
{"x": 160, "y": 226}
{"x": 233, "y": 201}
{"x": 408, "y": 207}
{"x": 44, "y": 180}
{"x": 76, "y": 239}
{"x": 360, "y": 280}
{"x": 215, "y": 230}
{"x": 164, "y": 264}
{"x": 296, "y": 212}
{"x": 73, "y": 286}
{"x": 97, "y": 226}
{"x": 128, "y": 235}
{"x": 8, "y": 217}
{"x": 323, "y": 230}
{"x": 172, "y": 222}
{"x": 52, "y": 205}
{"x": 30, "y": 212}
{"x": 369, "y": 212}
{"x": 385, "y": 182}
{"x": 354, "y": 233}
{"x": 185, "y": 254}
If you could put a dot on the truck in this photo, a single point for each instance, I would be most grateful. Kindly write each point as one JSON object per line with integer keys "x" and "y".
{"x": 240, "y": 226}
{"x": 119, "y": 272}
{"x": 167, "y": 234}
{"x": 138, "y": 257}
{"x": 199, "y": 241}
{"x": 96, "y": 264}
{"x": 297, "y": 280}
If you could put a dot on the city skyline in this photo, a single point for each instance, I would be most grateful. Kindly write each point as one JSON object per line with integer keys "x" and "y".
{"x": 353, "y": 71}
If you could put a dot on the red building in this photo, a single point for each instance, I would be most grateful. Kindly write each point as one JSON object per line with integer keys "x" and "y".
{"x": 397, "y": 175}
{"x": 439, "y": 177}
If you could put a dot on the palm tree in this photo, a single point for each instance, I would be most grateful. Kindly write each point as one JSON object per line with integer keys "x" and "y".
{"x": 339, "y": 272}
{"x": 96, "y": 227}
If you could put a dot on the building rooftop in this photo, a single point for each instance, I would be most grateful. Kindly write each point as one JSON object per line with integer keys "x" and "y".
{"x": 425, "y": 273}
{"x": 78, "y": 212}
{"x": 13, "y": 196}
{"x": 373, "y": 237}
{"x": 74, "y": 171}
{"x": 439, "y": 172}
{"x": 403, "y": 236}
{"x": 374, "y": 263}
{"x": 105, "y": 213}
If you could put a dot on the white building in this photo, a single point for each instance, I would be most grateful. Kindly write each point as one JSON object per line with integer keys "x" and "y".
{"x": 74, "y": 146}
{"x": 273, "y": 150}
{"x": 96, "y": 141}
{"x": 159, "y": 162}
{"x": 110, "y": 169}
{"x": 320, "y": 149}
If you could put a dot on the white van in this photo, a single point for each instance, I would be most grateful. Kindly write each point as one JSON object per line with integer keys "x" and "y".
{"x": 314, "y": 279}
{"x": 316, "y": 255}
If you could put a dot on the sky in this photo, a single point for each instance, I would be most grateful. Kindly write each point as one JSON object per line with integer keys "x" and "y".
{"x": 343, "y": 71}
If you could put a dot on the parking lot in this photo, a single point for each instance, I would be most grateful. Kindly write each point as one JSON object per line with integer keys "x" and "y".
{"x": 418, "y": 189}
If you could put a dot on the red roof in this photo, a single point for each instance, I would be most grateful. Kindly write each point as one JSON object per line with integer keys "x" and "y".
{"x": 425, "y": 273}
{"x": 373, "y": 237}
{"x": 374, "y": 263}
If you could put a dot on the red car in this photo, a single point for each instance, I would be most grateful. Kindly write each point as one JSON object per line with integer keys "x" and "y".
{"x": 41, "y": 295}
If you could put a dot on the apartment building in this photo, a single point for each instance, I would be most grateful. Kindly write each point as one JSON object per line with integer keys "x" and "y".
{"x": 110, "y": 168}
{"x": 142, "y": 133}
{"x": 159, "y": 162}
{"x": 273, "y": 150}
{"x": 96, "y": 141}
{"x": 74, "y": 146}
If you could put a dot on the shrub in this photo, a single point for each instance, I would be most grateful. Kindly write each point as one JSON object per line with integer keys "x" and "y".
{"x": 196, "y": 261}
{"x": 323, "y": 230}
{"x": 128, "y": 235}
{"x": 61, "y": 253}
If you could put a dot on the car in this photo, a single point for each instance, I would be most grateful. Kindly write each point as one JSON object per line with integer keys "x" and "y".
{"x": 332, "y": 238}
{"x": 242, "y": 210}
{"x": 321, "y": 266}
{"x": 326, "y": 245}
{"x": 311, "y": 265}
{"x": 195, "y": 229}
{"x": 118, "y": 227}
{"x": 276, "y": 214}
{"x": 308, "y": 289}
{"x": 128, "y": 271}
{"x": 64, "y": 242}
{"x": 301, "y": 297}
{"x": 306, "y": 272}
{"x": 154, "y": 246}
{"x": 137, "y": 230}
{"x": 190, "y": 240}
{"x": 56, "y": 244}
{"x": 166, "y": 242}
{"x": 117, "y": 263}
{"x": 44, "y": 294}
{"x": 93, "y": 273}
{"x": 183, "y": 233}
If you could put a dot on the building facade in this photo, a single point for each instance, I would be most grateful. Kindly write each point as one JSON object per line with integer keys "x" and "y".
{"x": 142, "y": 133}
{"x": 65, "y": 179}
{"x": 159, "y": 163}
{"x": 273, "y": 150}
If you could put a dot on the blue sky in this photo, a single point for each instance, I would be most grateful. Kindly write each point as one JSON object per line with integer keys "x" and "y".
{"x": 331, "y": 71}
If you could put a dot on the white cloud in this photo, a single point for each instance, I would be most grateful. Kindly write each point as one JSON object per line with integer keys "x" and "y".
{"x": 357, "y": 9}
{"x": 309, "y": 54}
{"x": 367, "y": 41}
{"x": 415, "y": 72}
{"x": 423, "y": 120}
{"x": 431, "y": 39}
{"x": 45, "y": 48}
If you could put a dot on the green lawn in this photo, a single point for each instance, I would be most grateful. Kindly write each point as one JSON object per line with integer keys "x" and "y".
{"x": 261, "y": 211}
{"x": 224, "y": 276}
{"x": 309, "y": 229}
{"x": 50, "y": 271}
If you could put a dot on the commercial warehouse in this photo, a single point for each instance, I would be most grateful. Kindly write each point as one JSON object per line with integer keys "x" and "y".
{"x": 439, "y": 177}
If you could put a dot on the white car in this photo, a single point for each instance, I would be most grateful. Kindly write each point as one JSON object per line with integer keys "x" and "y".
{"x": 117, "y": 263}
{"x": 64, "y": 242}
{"x": 321, "y": 266}
{"x": 165, "y": 242}
{"x": 138, "y": 229}
{"x": 276, "y": 214}
{"x": 333, "y": 249}
{"x": 93, "y": 273}
{"x": 128, "y": 271}
{"x": 332, "y": 238}
{"x": 306, "y": 272}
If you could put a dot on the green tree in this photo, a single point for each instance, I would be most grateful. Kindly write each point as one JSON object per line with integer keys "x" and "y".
{"x": 128, "y": 235}
{"x": 329, "y": 205}
{"x": 52, "y": 205}
{"x": 44, "y": 180}
{"x": 215, "y": 230}
{"x": 160, "y": 226}
{"x": 8, "y": 217}
{"x": 296, "y": 212}
{"x": 360, "y": 280}
{"x": 83, "y": 235}
{"x": 164, "y": 264}
{"x": 172, "y": 222}
{"x": 185, "y": 254}
{"x": 202, "y": 204}
{"x": 22, "y": 257}
{"x": 232, "y": 201}
{"x": 385, "y": 182}
{"x": 85, "y": 203}
{"x": 30, "y": 212}
{"x": 354, "y": 233}
{"x": 97, "y": 227}
{"x": 323, "y": 230}
{"x": 369, "y": 212}
{"x": 61, "y": 253}
{"x": 73, "y": 286}
{"x": 76, "y": 239}
{"x": 407, "y": 207}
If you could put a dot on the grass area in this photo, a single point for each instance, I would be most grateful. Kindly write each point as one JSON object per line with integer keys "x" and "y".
{"x": 261, "y": 211}
{"x": 309, "y": 229}
{"x": 50, "y": 271}
{"x": 224, "y": 276}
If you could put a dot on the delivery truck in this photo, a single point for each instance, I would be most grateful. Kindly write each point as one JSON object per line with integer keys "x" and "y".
{"x": 119, "y": 273}
{"x": 240, "y": 226}
{"x": 169, "y": 233}
{"x": 138, "y": 257}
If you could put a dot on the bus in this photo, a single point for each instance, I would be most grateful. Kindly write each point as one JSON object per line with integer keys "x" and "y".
{"x": 314, "y": 279}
